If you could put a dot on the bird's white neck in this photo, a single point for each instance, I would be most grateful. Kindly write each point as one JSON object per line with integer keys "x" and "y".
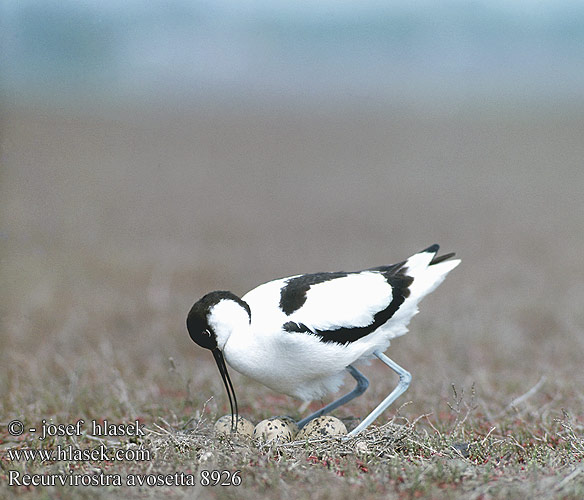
{"x": 227, "y": 317}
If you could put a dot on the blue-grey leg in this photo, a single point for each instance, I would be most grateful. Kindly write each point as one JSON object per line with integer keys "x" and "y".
{"x": 362, "y": 384}
{"x": 404, "y": 381}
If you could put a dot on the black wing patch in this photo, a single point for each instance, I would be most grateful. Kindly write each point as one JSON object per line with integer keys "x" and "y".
{"x": 399, "y": 282}
{"x": 389, "y": 271}
{"x": 436, "y": 260}
{"x": 442, "y": 258}
{"x": 293, "y": 295}
{"x": 344, "y": 335}
{"x": 293, "y": 327}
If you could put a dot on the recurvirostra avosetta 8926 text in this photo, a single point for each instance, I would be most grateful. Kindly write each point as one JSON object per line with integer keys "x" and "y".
{"x": 300, "y": 335}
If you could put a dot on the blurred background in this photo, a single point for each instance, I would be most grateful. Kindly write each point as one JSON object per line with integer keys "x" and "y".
{"x": 421, "y": 52}
{"x": 154, "y": 151}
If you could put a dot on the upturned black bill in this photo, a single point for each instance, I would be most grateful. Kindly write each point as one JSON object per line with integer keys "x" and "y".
{"x": 218, "y": 355}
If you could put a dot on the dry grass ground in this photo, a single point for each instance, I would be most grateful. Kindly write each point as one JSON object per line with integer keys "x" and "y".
{"x": 113, "y": 224}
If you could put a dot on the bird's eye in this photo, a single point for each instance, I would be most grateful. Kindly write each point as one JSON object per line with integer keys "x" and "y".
{"x": 207, "y": 333}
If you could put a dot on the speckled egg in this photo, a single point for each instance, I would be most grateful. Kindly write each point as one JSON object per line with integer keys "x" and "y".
{"x": 325, "y": 426}
{"x": 291, "y": 423}
{"x": 275, "y": 429}
{"x": 223, "y": 426}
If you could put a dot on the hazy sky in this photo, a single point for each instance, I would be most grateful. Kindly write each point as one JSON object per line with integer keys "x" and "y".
{"x": 390, "y": 50}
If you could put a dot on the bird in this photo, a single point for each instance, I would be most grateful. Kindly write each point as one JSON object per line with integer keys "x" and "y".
{"x": 302, "y": 334}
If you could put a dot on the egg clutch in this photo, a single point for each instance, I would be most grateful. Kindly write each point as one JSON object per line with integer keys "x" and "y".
{"x": 281, "y": 429}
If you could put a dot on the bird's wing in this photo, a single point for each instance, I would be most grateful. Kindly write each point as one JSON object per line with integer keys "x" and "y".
{"x": 343, "y": 307}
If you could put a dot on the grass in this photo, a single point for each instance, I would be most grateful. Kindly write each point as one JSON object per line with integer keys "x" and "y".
{"x": 525, "y": 452}
{"x": 466, "y": 445}
{"x": 104, "y": 252}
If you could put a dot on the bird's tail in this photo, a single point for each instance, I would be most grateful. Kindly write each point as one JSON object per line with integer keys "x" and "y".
{"x": 428, "y": 270}
{"x": 422, "y": 273}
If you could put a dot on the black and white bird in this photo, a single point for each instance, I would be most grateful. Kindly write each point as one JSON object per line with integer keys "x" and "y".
{"x": 300, "y": 335}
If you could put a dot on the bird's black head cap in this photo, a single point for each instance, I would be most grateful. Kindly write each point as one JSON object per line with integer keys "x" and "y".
{"x": 198, "y": 318}
{"x": 202, "y": 334}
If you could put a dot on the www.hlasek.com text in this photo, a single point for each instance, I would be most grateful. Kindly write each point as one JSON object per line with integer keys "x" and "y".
{"x": 70, "y": 453}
